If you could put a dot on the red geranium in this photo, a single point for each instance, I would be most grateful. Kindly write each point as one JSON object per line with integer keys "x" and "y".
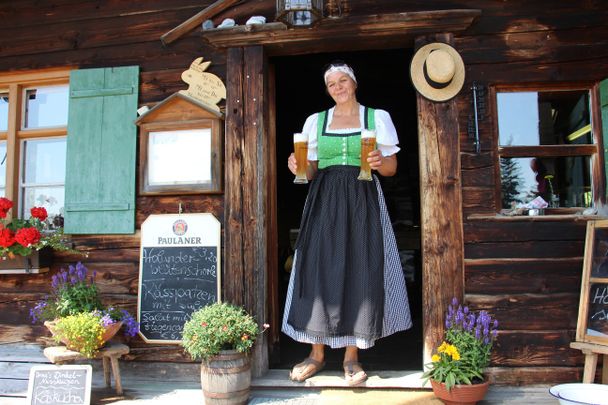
{"x": 5, "y": 205}
{"x": 27, "y": 236}
{"x": 6, "y": 238}
{"x": 39, "y": 212}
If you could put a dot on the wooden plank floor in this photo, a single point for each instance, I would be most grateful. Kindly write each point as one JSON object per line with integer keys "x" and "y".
{"x": 162, "y": 383}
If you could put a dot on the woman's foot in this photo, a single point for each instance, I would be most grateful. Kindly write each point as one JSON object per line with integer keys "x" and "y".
{"x": 354, "y": 373}
{"x": 306, "y": 369}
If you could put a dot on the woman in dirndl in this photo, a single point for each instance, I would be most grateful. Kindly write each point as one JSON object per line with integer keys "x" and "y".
{"x": 347, "y": 287}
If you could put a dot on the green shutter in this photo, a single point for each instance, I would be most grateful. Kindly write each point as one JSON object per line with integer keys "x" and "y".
{"x": 101, "y": 151}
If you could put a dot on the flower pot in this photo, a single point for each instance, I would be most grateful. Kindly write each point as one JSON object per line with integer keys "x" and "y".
{"x": 226, "y": 378}
{"x": 109, "y": 333}
{"x": 37, "y": 262}
{"x": 460, "y": 394}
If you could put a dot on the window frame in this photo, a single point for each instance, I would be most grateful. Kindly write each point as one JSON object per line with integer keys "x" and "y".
{"x": 594, "y": 151}
{"x": 16, "y": 83}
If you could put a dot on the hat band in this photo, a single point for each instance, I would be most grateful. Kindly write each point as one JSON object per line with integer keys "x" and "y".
{"x": 431, "y": 82}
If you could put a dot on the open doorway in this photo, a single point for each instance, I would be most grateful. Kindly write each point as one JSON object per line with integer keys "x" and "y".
{"x": 383, "y": 82}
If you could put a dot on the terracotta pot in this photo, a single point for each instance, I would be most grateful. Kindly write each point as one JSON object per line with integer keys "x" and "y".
{"x": 108, "y": 334}
{"x": 226, "y": 378}
{"x": 460, "y": 394}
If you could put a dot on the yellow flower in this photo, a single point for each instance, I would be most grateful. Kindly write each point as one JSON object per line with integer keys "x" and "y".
{"x": 443, "y": 347}
{"x": 435, "y": 358}
{"x": 456, "y": 355}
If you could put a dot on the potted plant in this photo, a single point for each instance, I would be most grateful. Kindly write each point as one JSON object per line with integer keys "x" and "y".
{"x": 221, "y": 335}
{"x": 23, "y": 238}
{"x": 457, "y": 368}
{"x": 75, "y": 315}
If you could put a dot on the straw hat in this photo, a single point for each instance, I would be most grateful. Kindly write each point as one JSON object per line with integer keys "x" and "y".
{"x": 437, "y": 71}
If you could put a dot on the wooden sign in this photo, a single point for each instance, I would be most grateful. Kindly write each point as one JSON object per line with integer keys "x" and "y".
{"x": 593, "y": 308}
{"x": 204, "y": 86}
{"x": 66, "y": 384}
{"x": 179, "y": 272}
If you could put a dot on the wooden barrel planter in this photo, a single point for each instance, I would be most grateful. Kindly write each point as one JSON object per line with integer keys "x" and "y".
{"x": 226, "y": 378}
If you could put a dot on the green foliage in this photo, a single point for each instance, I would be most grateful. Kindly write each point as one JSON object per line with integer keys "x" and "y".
{"x": 216, "y": 327}
{"x": 510, "y": 182}
{"x": 83, "y": 331}
{"x": 467, "y": 347}
{"x": 75, "y": 303}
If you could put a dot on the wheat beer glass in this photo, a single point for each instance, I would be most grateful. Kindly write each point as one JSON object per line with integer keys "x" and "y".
{"x": 368, "y": 144}
{"x": 300, "y": 147}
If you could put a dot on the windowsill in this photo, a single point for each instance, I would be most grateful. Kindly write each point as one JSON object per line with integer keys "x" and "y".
{"x": 550, "y": 214}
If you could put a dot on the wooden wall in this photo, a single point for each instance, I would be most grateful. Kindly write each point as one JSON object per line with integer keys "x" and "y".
{"x": 42, "y": 34}
{"x": 526, "y": 271}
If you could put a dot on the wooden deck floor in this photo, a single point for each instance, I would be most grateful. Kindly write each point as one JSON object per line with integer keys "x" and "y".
{"x": 161, "y": 383}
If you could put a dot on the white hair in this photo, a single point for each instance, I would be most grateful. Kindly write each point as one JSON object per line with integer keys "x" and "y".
{"x": 340, "y": 68}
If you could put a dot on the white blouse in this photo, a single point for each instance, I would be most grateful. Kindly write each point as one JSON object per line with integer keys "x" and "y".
{"x": 386, "y": 134}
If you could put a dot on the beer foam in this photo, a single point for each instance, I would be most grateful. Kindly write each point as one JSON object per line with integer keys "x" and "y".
{"x": 298, "y": 137}
{"x": 368, "y": 133}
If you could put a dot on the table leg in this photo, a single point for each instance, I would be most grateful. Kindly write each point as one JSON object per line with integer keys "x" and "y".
{"x": 605, "y": 369}
{"x": 116, "y": 372}
{"x": 590, "y": 365}
{"x": 106, "y": 370}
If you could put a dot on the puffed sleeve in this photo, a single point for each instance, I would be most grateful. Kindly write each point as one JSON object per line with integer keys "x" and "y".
{"x": 386, "y": 134}
{"x": 310, "y": 129}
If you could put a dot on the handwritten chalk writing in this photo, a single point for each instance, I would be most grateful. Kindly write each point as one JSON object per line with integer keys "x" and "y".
{"x": 47, "y": 395}
{"x": 175, "y": 281}
{"x": 601, "y": 296}
{"x": 600, "y": 315}
{"x": 52, "y": 385}
{"x": 156, "y": 291}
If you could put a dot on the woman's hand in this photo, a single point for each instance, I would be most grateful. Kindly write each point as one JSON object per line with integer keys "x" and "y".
{"x": 292, "y": 164}
{"x": 385, "y": 165}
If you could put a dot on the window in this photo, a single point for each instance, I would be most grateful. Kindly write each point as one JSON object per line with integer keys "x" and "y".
{"x": 33, "y": 130}
{"x": 548, "y": 146}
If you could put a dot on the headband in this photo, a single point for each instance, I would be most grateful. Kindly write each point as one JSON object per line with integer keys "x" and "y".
{"x": 340, "y": 68}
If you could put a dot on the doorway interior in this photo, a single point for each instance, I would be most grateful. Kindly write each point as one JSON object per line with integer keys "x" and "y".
{"x": 383, "y": 82}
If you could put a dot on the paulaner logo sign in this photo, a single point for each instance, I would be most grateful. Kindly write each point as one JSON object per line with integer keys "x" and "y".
{"x": 180, "y": 228}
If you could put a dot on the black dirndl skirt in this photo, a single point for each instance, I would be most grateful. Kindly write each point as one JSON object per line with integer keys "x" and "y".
{"x": 339, "y": 281}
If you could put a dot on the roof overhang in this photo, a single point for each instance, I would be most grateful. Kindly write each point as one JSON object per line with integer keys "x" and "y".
{"x": 355, "y": 32}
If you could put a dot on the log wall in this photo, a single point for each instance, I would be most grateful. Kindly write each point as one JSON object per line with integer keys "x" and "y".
{"x": 526, "y": 272}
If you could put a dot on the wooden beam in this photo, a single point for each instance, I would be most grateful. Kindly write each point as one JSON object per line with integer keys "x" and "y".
{"x": 441, "y": 213}
{"x": 196, "y": 20}
{"x": 344, "y": 30}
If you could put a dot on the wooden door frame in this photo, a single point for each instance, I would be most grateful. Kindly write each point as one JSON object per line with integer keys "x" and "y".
{"x": 250, "y": 201}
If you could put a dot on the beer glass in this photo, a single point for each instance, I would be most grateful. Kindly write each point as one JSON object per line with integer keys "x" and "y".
{"x": 300, "y": 146}
{"x": 368, "y": 144}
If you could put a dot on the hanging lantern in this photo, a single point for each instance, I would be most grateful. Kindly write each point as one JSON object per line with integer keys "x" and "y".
{"x": 299, "y": 13}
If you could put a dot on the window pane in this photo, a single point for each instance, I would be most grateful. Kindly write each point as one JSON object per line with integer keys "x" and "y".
{"x": 44, "y": 161}
{"x": 3, "y": 111}
{"x": 2, "y": 168}
{"x": 51, "y": 198}
{"x": 44, "y": 178}
{"x": 544, "y": 118}
{"x": 561, "y": 181}
{"x": 46, "y": 107}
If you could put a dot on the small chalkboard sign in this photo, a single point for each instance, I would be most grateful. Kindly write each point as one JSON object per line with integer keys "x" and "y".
{"x": 592, "y": 324}
{"x": 179, "y": 272}
{"x": 66, "y": 384}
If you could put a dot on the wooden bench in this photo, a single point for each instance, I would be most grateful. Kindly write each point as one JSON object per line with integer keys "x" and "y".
{"x": 591, "y": 351}
{"x": 109, "y": 354}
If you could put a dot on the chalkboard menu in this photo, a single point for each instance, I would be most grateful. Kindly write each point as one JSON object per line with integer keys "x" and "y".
{"x": 179, "y": 272}
{"x": 593, "y": 308}
{"x": 53, "y": 385}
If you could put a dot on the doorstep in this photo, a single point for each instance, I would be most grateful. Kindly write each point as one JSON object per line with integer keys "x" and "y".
{"x": 279, "y": 378}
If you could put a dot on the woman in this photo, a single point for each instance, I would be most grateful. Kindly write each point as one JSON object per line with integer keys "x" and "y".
{"x": 347, "y": 287}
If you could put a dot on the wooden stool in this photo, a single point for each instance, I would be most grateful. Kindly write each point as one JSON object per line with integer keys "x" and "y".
{"x": 591, "y": 350}
{"x": 109, "y": 354}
